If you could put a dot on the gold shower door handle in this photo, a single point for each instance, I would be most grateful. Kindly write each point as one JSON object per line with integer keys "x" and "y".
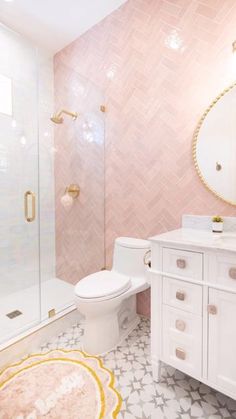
{"x": 29, "y": 206}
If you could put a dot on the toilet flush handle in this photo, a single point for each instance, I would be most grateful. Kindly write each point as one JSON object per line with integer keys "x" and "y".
{"x": 147, "y": 259}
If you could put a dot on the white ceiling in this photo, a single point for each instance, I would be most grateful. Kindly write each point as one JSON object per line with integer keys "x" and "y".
{"x": 53, "y": 24}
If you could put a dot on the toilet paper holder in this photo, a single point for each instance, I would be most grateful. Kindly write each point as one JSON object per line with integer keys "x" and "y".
{"x": 147, "y": 259}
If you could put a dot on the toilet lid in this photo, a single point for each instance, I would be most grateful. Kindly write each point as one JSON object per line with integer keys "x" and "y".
{"x": 102, "y": 285}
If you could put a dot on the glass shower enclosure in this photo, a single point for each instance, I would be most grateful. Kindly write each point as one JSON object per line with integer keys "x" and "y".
{"x": 48, "y": 238}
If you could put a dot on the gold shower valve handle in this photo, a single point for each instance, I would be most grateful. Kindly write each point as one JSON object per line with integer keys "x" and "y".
{"x": 73, "y": 190}
{"x": 29, "y": 213}
{"x": 103, "y": 108}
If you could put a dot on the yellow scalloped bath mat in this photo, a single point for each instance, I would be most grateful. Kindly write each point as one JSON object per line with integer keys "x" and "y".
{"x": 58, "y": 384}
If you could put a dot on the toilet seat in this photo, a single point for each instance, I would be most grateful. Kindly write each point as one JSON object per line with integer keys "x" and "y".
{"x": 102, "y": 285}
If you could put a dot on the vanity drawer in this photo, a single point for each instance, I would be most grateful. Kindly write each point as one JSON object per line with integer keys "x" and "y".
{"x": 181, "y": 324}
{"x": 223, "y": 270}
{"x": 183, "y": 354}
{"x": 182, "y": 295}
{"x": 183, "y": 263}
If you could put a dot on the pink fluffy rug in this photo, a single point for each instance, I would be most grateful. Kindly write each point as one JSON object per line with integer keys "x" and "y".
{"x": 58, "y": 384}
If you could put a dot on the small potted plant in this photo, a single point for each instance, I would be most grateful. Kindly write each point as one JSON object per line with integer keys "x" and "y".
{"x": 217, "y": 224}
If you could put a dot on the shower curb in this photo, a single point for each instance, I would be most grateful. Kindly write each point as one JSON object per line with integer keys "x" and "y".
{"x": 31, "y": 340}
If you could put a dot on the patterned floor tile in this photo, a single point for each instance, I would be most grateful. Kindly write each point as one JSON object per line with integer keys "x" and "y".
{"x": 176, "y": 396}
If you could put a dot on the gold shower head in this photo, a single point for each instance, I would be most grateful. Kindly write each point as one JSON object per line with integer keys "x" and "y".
{"x": 57, "y": 118}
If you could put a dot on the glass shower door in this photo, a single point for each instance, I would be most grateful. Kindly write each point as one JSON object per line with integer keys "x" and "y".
{"x": 19, "y": 225}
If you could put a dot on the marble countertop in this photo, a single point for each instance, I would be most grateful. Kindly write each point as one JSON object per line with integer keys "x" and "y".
{"x": 198, "y": 238}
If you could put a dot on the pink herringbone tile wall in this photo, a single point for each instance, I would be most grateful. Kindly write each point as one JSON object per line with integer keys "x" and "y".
{"x": 160, "y": 63}
{"x": 79, "y": 159}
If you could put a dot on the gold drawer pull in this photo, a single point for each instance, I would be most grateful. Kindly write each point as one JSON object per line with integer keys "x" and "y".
{"x": 181, "y": 263}
{"x": 180, "y": 353}
{"x": 180, "y": 325}
{"x": 180, "y": 295}
{"x": 29, "y": 212}
{"x": 211, "y": 309}
{"x": 232, "y": 273}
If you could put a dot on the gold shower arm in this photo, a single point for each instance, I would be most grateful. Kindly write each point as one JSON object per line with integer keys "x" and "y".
{"x": 57, "y": 118}
{"x": 73, "y": 114}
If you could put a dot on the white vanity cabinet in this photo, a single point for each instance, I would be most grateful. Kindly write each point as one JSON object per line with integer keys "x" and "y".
{"x": 222, "y": 340}
{"x": 193, "y": 306}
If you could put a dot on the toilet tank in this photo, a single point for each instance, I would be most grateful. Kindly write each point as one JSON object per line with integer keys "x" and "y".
{"x": 128, "y": 256}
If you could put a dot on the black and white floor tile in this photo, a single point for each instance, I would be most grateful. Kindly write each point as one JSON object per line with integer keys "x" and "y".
{"x": 176, "y": 396}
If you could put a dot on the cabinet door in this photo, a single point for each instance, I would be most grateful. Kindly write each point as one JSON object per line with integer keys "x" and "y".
{"x": 222, "y": 341}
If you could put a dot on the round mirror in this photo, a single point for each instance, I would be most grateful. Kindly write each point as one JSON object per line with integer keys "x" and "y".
{"x": 214, "y": 146}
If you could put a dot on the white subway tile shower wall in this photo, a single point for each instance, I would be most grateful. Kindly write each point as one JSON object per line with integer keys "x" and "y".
{"x": 18, "y": 146}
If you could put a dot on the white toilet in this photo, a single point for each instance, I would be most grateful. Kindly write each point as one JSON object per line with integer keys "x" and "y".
{"x": 107, "y": 299}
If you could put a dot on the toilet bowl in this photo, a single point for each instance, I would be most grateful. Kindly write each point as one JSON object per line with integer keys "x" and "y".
{"x": 107, "y": 299}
